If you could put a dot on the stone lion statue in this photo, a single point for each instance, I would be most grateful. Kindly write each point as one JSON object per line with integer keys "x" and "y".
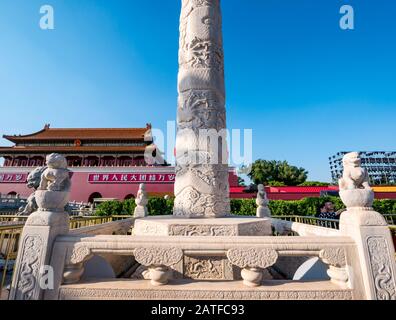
{"x": 56, "y": 176}
{"x": 261, "y": 199}
{"x": 262, "y": 203}
{"x": 33, "y": 182}
{"x": 354, "y": 176}
{"x": 141, "y": 197}
{"x": 141, "y": 202}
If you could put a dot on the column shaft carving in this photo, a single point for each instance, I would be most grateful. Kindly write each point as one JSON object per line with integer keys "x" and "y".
{"x": 201, "y": 186}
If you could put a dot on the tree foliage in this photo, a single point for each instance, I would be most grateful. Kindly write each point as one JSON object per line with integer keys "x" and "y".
{"x": 241, "y": 182}
{"x": 314, "y": 184}
{"x": 276, "y": 184}
{"x": 244, "y": 207}
{"x": 156, "y": 206}
{"x": 277, "y": 172}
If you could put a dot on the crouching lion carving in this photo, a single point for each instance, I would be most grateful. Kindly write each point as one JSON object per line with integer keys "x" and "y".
{"x": 33, "y": 182}
{"x": 56, "y": 176}
{"x": 354, "y": 176}
{"x": 53, "y": 177}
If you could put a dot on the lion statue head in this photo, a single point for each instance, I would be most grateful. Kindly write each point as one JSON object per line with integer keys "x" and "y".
{"x": 34, "y": 177}
{"x": 56, "y": 161}
{"x": 352, "y": 160}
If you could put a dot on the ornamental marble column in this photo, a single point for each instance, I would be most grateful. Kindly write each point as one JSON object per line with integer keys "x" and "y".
{"x": 201, "y": 186}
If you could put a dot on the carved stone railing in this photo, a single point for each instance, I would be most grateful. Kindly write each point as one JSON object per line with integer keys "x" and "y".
{"x": 284, "y": 227}
{"x": 360, "y": 259}
{"x": 357, "y": 270}
{"x": 252, "y": 254}
{"x": 120, "y": 227}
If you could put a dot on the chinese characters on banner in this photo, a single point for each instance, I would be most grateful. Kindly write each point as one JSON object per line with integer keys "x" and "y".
{"x": 131, "y": 178}
{"x": 13, "y": 177}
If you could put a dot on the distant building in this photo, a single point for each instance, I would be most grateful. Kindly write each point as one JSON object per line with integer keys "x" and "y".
{"x": 381, "y": 166}
{"x": 105, "y": 162}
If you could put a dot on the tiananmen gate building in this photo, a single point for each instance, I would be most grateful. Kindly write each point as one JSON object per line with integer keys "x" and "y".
{"x": 106, "y": 163}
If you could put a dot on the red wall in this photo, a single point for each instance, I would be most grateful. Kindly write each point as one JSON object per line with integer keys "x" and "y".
{"x": 82, "y": 189}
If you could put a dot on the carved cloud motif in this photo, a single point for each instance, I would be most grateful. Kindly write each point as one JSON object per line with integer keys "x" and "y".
{"x": 252, "y": 257}
{"x": 158, "y": 256}
{"x": 79, "y": 254}
{"x": 333, "y": 256}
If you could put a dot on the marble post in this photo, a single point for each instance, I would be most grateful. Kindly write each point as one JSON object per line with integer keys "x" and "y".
{"x": 201, "y": 186}
{"x": 369, "y": 230}
{"x": 141, "y": 202}
{"x": 33, "y": 274}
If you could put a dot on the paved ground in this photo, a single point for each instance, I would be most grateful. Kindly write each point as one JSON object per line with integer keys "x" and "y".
{"x": 4, "y": 292}
{"x": 4, "y": 295}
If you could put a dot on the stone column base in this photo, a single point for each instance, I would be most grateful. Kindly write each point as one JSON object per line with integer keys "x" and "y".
{"x": 209, "y": 265}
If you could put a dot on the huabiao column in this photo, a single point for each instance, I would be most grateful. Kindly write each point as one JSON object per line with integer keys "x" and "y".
{"x": 201, "y": 186}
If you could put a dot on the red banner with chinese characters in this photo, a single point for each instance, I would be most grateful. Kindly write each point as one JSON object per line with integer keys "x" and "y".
{"x": 131, "y": 178}
{"x": 13, "y": 177}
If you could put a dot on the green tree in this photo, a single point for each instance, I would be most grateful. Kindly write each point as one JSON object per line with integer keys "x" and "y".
{"x": 314, "y": 184}
{"x": 241, "y": 182}
{"x": 275, "y": 172}
{"x": 275, "y": 184}
{"x": 110, "y": 208}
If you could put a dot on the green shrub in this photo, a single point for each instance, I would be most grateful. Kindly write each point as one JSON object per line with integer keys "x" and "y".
{"x": 156, "y": 206}
{"x": 314, "y": 184}
{"x": 160, "y": 206}
{"x": 243, "y": 207}
{"x": 128, "y": 207}
{"x": 385, "y": 206}
{"x": 110, "y": 208}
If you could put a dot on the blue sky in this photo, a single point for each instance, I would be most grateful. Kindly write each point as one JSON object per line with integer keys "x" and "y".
{"x": 307, "y": 88}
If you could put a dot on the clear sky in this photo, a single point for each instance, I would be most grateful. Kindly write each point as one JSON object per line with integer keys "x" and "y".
{"x": 307, "y": 88}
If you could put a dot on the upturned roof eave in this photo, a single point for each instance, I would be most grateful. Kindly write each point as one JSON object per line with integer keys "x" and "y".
{"x": 21, "y": 137}
{"x": 77, "y": 134}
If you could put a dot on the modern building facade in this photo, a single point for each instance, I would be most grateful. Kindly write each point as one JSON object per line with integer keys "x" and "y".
{"x": 381, "y": 166}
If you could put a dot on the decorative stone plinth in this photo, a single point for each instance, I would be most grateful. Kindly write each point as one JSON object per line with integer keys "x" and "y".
{"x": 376, "y": 251}
{"x": 120, "y": 289}
{"x": 220, "y": 227}
{"x": 370, "y": 231}
{"x": 38, "y": 236}
{"x": 203, "y": 266}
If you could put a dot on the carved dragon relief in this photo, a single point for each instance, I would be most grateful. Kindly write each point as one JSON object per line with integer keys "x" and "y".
{"x": 203, "y": 230}
{"x": 204, "y": 268}
{"x": 204, "y": 54}
{"x": 385, "y": 283}
{"x": 191, "y": 202}
{"x": 30, "y": 264}
{"x": 201, "y": 109}
{"x": 211, "y": 175}
{"x": 200, "y": 50}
